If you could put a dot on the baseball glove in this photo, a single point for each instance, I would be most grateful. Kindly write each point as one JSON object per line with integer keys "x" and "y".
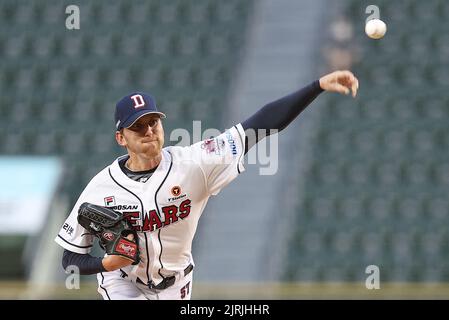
{"x": 111, "y": 230}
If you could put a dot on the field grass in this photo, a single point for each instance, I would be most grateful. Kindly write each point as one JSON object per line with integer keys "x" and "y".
{"x": 252, "y": 291}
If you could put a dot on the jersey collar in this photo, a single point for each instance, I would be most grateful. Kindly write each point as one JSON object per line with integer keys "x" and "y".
{"x": 159, "y": 173}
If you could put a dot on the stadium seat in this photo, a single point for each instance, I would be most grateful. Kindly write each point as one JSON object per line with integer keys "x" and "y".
{"x": 69, "y": 81}
{"x": 379, "y": 174}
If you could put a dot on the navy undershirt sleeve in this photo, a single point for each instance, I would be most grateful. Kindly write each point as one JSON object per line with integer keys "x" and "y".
{"x": 85, "y": 262}
{"x": 280, "y": 113}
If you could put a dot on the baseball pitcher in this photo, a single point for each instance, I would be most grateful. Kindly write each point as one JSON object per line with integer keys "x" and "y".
{"x": 144, "y": 207}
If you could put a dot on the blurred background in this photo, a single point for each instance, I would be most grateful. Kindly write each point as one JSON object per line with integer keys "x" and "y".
{"x": 360, "y": 181}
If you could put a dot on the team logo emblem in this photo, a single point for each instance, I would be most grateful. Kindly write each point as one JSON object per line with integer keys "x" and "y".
{"x": 176, "y": 191}
{"x": 108, "y": 236}
{"x": 177, "y": 195}
{"x": 138, "y": 101}
{"x": 109, "y": 201}
{"x": 209, "y": 145}
{"x": 213, "y": 146}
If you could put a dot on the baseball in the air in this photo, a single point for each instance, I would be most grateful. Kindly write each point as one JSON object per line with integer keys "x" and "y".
{"x": 375, "y": 28}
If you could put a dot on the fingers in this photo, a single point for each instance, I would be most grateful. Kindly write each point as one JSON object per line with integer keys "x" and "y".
{"x": 342, "y": 81}
{"x": 340, "y": 88}
{"x": 347, "y": 79}
{"x": 130, "y": 237}
{"x": 355, "y": 87}
{"x": 354, "y": 82}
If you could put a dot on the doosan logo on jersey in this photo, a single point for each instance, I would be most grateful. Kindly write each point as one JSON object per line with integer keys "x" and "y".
{"x": 126, "y": 207}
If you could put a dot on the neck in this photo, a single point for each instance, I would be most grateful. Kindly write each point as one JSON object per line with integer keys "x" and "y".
{"x": 142, "y": 162}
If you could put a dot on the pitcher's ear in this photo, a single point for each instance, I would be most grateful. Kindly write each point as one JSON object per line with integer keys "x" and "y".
{"x": 120, "y": 138}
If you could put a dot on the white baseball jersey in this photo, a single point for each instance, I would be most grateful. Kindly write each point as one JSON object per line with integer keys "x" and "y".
{"x": 166, "y": 208}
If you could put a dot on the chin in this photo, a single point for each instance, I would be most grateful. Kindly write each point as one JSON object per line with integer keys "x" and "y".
{"x": 152, "y": 151}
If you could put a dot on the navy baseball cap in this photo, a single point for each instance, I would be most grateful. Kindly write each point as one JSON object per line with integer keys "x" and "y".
{"x": 133, "y": 106}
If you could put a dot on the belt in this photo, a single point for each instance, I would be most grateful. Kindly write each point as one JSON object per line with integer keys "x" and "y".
{"x": 167, "y": 282}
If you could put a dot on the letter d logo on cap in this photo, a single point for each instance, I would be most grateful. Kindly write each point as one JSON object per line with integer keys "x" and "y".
{"x": 138, "y": 101}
